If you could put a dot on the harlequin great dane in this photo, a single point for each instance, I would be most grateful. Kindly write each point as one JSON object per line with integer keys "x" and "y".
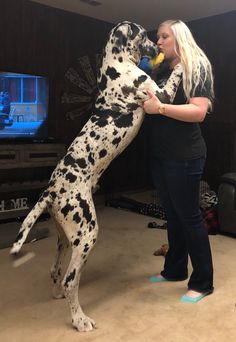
{"x": 118, "y": 115}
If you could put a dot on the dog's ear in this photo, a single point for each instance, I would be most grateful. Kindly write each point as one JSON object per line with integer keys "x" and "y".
{"x": 121, "y": 33}
{"x": 134, "y": 30}
{"x": 125, "y": 31}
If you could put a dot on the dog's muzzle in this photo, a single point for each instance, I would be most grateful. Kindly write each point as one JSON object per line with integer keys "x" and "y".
{"x": 150, "y": 50}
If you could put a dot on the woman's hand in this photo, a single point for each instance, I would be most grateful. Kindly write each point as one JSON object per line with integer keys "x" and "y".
{"x": 151, "y": 106}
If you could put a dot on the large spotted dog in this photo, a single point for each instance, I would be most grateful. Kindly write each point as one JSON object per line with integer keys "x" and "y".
{"x": 114, "y": 124}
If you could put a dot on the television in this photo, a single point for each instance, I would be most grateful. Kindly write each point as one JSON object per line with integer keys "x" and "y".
{"x": 23, "y": 106}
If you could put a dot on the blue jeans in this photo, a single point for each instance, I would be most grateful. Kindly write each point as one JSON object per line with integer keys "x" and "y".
{"x": 177, "y": 184}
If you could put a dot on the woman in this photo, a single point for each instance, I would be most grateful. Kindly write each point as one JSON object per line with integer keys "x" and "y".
{"x": 178, "y": 153}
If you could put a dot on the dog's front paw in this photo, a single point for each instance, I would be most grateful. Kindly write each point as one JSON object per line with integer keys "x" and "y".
{"x": 84, "y": 323}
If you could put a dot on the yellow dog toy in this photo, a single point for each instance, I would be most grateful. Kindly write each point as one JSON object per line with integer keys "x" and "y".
{"x": 148, "y": 65}
{"x": 156, "y": 61}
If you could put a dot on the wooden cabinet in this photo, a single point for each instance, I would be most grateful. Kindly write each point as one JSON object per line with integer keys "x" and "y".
{"x": 24, "y": 172}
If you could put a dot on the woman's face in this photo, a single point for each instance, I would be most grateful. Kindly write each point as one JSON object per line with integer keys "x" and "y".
{"x": 166, "y": 43}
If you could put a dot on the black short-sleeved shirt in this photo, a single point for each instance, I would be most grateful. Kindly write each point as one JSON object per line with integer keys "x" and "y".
{"x": 172, "y": 139}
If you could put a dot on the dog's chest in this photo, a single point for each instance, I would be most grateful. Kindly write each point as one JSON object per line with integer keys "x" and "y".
{"x": 118, "y": 90}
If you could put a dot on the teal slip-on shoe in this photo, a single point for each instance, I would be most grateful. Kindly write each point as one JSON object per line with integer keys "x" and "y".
{"x": 160, "y": 279}
{"x": 187, "y": 299}
{"x": 157, "y": 279}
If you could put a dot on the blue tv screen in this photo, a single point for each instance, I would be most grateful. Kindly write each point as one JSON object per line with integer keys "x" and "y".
{"x": 23, "y": 106}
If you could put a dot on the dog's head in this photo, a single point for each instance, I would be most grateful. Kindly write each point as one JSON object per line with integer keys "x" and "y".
{"x": 130, "y": 40}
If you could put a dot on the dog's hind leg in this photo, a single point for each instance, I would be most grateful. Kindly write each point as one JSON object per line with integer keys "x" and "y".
{"x": 56, "y": 269}
{"x": 71, "y": 285}
{"x": 82, "y": 237}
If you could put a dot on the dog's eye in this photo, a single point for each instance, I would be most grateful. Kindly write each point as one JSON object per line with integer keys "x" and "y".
{"x": 141, "y": 36}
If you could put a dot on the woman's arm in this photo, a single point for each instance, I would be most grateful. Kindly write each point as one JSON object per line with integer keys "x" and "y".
{"x": 194, "y": 111}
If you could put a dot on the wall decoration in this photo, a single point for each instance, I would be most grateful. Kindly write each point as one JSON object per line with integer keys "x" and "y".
{"x": 81, "y": 86}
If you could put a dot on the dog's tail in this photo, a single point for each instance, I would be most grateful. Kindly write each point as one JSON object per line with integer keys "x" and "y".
{"x": 30, "y": 220}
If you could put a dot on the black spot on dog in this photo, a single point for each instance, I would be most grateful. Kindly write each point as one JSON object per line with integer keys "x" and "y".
{"x": 121, "y": 38}
{"x": 76, "y": 218}
{"x": 70, "y": 277}
{"x": 85, "y": 207}
{"x": 41, "y": 199}
{"x": 86, "y": 248}
{"x": 71, "y": 149}
{"x": 140, "y": 80}
{"x": 76, "y": 242}
{"x": 101, "y": 101}
{"x": 102, "y": 122}
{"x": 94, "y": 118}
{"x": 92, "y": 225}
{"x": 51, "y": 183}
{"x": 45, "y": 193}
{"x": 120, "y": 59}
{"x": 115, "y": 50}
{"x": 82, "y": 163}
{"x": 124, "y": 121}
{"x": 103, "y": 83}
{"x": 91, "y": 159}
{"x": 19, "y": 236}
{"x": 128, "y": 90}
{"x": 123, "y": 101}
{"x": 112, "y": 73}
{"x": 102, "y": 153}
{"x": 116, "y": 141}
{"x": 66, "y": 209}
{"x": 53, "y": 194}
{"x": 70, "y": 177}
{"x": 81, "y": 133}
{"x": 62, "y": 191}
{"x": 132, "y": 107}
{"x": 64, "y": 171}
{"x": 69, "y": 160}
{"x": 117, "y": 108}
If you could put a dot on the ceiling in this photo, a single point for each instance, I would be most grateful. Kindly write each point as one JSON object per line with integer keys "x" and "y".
{"x": 148, "y": 13}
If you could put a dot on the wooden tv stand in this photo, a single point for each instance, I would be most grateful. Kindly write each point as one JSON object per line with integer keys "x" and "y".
{"x": 24, "y": 172}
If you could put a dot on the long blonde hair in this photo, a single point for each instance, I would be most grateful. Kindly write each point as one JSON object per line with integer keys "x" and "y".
{"x": 196, "y": 66}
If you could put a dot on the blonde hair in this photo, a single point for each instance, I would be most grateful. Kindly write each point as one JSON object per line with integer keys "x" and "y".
{"x": 196, "y": 66}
